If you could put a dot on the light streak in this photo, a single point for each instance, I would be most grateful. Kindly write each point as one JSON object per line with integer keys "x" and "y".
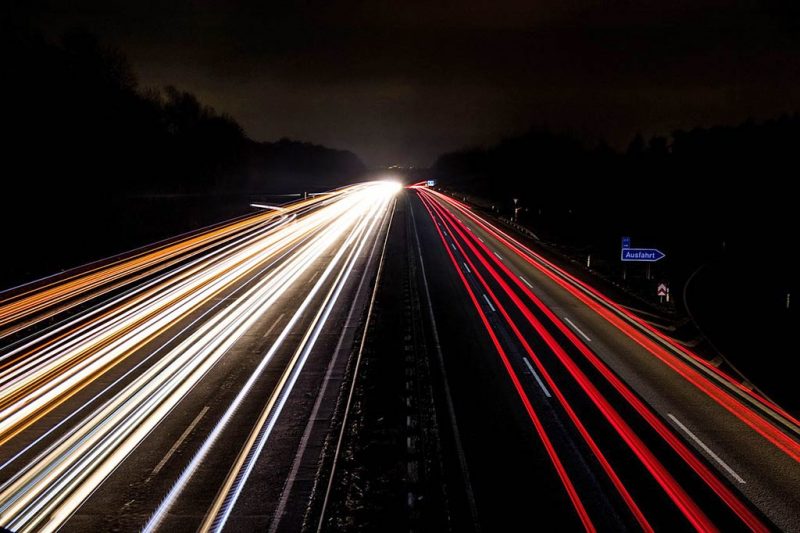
{"x": 699, "y": 467}
{"x": 682, "y": 360}
{"x": 563, "y": 475}
{"x": 36, "y": 377}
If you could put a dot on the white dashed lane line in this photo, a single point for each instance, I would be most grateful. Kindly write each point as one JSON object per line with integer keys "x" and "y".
{"x": 576, "y": 328}
{"x": 535, "y": 375}
{"x": 488, "y": 302}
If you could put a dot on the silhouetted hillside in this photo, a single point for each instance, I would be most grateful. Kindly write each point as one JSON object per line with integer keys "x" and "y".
{"x": 77, "y": 123}
{"x": 286, "y": 165}
{"x": 729, "y": 183}
{"x": 93, "y": 164}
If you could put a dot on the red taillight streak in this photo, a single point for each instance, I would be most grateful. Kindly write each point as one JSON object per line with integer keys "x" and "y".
{"x": 525, "y": 252}
{"x": 562, "y": 473}
{"x": 671, "y": 487}
{"x": 616, "y": 481}
{"x": 757, "y": 423}
{"x": 727, "y": 377}
{"x": 722, "y": 491}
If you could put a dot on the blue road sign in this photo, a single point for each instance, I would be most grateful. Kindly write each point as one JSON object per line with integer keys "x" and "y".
{"x": 645, "y": 255}
{"x": 626, "y": 242}
{"x": 431, "y": 183}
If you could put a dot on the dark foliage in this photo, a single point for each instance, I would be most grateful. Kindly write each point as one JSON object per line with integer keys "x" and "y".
{"x": 717, "y": 184}
{"x": 282, "y": 165}
{"x": 94, "y": 165}
{"x": 76, "y": 123}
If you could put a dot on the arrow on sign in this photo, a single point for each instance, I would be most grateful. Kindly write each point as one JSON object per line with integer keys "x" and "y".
{"x": 662, "y": 289}
{"x": 647, "y": 255}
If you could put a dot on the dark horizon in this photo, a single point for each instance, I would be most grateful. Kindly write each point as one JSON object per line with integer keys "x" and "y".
{"x": 404, "y": 84}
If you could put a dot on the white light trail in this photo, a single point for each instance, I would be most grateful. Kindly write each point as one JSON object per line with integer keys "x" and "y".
{"x": 37, "y": 377}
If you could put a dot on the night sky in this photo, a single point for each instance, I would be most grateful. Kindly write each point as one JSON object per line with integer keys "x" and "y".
{"x": 402, "y": 82}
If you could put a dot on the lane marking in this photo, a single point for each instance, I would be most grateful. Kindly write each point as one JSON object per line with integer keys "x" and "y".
{"x": 535, "y": 375}
{"x": 526, "y": 282}
{"x": 273, "y": 326}
{"x": 498, "y": 256}
{"x": 126, "y": 374}
{"x": 462, "y": 461}
{"x": 467, "y": 267}
{"x": 488, "y": 302}
{"x": 576, "y": 328}
{"x": 340, "y": 266}
{"x": 313, "y": 418}
{"x": 481, "y": 240}
{"x": 714, "y": 456}
{"x": 453, "y": 246}
{"x": 178, "y": 442}
{"x": 349, "y": 402}
{"x": 534, "y": 418}
{"x": 571, "y": 283}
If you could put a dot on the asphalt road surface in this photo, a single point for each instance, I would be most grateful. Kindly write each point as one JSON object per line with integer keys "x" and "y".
{"x": 575, "y": 412}
{"x": 194, "y": 384}
{"x": 172, "y": 388}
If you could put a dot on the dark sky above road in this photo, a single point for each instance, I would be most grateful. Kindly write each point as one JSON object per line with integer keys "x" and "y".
{"x": 401, "y": 82}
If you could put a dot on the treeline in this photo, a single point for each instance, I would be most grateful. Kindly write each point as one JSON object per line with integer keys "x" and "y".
{"x": 93, "y": 164}
{"x": 726, "y": 183}
{"x": 76, "y": 122}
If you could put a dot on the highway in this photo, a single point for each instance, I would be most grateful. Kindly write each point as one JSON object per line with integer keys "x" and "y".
{"x": 172, "y": 384}
{"x": 194, "y": 384}
{"x": 573, "y": 411}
